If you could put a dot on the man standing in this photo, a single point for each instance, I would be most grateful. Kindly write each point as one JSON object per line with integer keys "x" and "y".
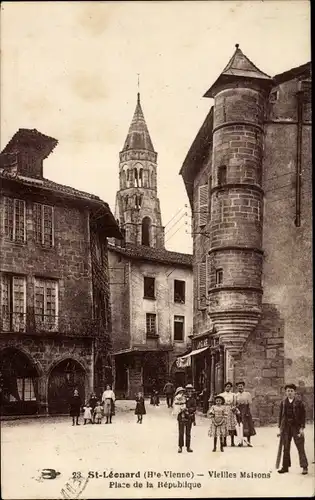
{"x": 191, "y": 405}
{"x": 292, "y": 424}
{"x": 169, "y": 393}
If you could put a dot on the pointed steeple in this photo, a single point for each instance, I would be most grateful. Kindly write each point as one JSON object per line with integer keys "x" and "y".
{"x": 239, "y": 66}
{"x": 138, "y": 135}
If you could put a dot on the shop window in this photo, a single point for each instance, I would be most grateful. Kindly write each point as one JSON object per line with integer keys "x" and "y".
{"x": 179, "y": 323}
{"x": 219, "y": 276}
{"x": 46, "y": 304}
{"x": 13, "y": 303}
{"x": 151, "y": 325}
{"x": 149, "y": 288}
{"x": 25, "y": 389}
{"x": 14, "y": 220}
{"x": 179, "y": 291}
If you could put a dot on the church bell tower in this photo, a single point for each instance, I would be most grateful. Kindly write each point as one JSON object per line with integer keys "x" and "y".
{"x": 137, "y": 204}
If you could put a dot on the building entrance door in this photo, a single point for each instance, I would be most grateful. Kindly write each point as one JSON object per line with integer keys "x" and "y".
{"x": 63, "y": 379}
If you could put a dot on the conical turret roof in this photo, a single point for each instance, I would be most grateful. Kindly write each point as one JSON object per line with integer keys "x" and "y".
{"x": 138, "y": 135}
{"x": 239, "y": 66}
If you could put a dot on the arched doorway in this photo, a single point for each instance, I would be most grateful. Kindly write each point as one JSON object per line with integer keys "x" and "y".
{"x": 63, "y": 379}
{"x": 19, "y": 383}
{"x": 146, "y": 229}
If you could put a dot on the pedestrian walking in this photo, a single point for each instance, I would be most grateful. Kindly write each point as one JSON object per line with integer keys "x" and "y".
{"x": 169, "y": 393}
{"x": 292, "y": 424}
{"x": 140, "y": 407}
{"x": 75, "y": 407}
{"x": 245, "y": 427}
{"x": 93, "y": 403}
{"x": 218, "y": 426}
{"x": 98, "y": 413}
{"x": 87, "y": 416}
{"x": 108, "y": 400}
{"x": 230, "y": 407}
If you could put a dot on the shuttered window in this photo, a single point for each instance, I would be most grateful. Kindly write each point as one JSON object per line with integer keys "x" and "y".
{"x": 203, "y": 205}
{"x": 202, "y": 285}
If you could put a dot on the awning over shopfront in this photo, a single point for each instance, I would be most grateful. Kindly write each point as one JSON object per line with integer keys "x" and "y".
{"x": 185, "y": 361}
{"x": 193, "y": 353}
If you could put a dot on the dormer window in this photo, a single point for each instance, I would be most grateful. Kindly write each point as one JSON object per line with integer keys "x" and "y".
{"x": 274, "y": 96}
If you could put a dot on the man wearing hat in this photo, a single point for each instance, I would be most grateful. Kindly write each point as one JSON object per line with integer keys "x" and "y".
{"x": 184, "y": 417}
{"x": 292, "y": 424}
{"x": 191, "y": 405}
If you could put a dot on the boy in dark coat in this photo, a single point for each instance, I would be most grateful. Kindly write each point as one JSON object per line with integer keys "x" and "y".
{"x": 75, "y": 407}
{"x": 292, "y": 424}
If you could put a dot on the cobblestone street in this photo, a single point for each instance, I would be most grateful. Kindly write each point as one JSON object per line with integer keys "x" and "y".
{"x": 31, "y": 445}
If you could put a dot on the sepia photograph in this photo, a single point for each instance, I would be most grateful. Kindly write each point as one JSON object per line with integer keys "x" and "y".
{"x": 156, "y": 250}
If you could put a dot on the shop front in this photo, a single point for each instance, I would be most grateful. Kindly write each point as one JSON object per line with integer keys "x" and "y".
{"x": 210, "y": 365}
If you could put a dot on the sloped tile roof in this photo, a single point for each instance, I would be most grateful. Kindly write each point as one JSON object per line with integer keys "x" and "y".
{"x": 161, "y": 255}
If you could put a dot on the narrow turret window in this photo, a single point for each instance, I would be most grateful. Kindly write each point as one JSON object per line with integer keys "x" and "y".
{"x": 136, "y": 177}
{"x": 219, "y": 276}
{"x": 222, "y": 175}
{"x": 146, "y": 230}
{"x": 141, "y": 177}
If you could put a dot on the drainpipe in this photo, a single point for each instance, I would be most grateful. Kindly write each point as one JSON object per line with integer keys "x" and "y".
{"x": 299, "y": 97}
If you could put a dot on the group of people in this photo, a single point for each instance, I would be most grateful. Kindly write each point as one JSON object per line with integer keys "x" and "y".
{"x": 229, "y": 413}
{"x": 94, "y": 409}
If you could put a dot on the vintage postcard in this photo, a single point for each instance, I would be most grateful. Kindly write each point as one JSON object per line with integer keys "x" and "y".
{"x": 156, "y": 250}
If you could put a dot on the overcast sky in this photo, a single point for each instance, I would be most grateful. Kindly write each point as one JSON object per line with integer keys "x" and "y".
{"x": 69, "y": 69}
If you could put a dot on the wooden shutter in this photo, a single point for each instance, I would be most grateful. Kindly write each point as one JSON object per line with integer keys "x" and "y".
{"x": 202, "y": 285}
{"x": 208, "y": 272}
{"x": 203, "y": 204}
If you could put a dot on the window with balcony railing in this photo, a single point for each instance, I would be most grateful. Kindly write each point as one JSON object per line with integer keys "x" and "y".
{"x": 13, "y": 303}
{"x": 46, "y": 304}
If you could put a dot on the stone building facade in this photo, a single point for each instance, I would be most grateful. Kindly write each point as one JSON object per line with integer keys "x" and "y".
{"x": 151, "y": 287}
{"x": 55, "y": 307}
{"x": 248, "y": 179}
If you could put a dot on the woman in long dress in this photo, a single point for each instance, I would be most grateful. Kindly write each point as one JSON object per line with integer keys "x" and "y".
{"x": 230, "y": 407}
{"x": 108, "y": 400}
{"x": 243, "y": 402}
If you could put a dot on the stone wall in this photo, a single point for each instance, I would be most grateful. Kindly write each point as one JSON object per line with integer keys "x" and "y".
{"x": 287, "y": 273}
{"x": 261, "y": 365}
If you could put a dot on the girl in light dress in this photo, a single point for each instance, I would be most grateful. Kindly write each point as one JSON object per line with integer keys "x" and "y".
{"x": 231, "y": 411}
{"x": 218, "y": 426}
{"x": 98, "y": 413}
{"x": 87, "y": 413}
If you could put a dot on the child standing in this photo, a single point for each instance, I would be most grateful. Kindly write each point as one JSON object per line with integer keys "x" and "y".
{"x": 87, "y": 413}
{"x": 140, "y": 407}
{"x": 218, "y": 426}
{"x": 98, "y": 413}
